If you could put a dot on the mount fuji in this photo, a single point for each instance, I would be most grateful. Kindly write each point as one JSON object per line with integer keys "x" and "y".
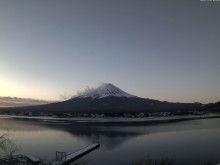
{"x": 105, "y": 90}
{"x": 108, "y": 98}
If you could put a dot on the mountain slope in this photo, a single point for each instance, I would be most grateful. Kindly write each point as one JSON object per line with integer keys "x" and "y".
{"x": 109, "y": 99}
{"x": 214, "y": 107}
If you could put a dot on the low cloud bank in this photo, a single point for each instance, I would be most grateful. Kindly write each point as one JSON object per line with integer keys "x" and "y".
{"x": 19, "y": 102}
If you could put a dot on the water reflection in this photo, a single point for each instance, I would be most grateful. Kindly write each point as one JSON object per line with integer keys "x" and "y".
{"x": 109, "y": 136}
{"x": 186, "y": 141}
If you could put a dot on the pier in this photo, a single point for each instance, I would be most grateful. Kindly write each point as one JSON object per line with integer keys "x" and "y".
{"x": 73, "y": 156}
{"x": 33, "y": 159}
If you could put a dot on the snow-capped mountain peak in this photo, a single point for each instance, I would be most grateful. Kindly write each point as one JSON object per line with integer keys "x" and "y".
{"x": 104, "y": 90}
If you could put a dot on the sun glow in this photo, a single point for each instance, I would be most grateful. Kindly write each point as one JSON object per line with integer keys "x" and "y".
{"x": 10, "y": 88}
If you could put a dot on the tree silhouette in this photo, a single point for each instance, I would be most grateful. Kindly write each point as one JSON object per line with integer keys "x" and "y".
{"x": 8, "y": 146}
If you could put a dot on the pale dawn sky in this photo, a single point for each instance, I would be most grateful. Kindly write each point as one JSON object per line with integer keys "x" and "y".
{"x": 165, "y": 50}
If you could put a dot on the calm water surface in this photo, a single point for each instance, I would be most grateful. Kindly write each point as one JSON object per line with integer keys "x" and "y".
{"x": 185, "y": 142}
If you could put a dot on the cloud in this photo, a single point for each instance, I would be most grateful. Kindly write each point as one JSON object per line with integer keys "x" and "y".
{"x": 19, "y": 102}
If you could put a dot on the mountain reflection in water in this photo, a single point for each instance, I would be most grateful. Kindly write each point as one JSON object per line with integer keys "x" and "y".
{"x": 185, "y": 142}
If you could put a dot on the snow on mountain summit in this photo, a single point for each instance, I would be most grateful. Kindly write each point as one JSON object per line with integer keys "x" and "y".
{"x": 104, "y": 90}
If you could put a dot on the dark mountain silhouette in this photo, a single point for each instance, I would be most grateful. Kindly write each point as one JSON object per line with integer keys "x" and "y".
{"x": 109, "y": 99}
{"x": 214, "y": 107}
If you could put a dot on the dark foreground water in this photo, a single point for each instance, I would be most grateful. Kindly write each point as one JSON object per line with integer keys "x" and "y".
{"x": 185, "y": 142}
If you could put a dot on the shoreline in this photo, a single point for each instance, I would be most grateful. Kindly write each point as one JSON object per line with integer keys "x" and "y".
{"x": 113, "y": 120}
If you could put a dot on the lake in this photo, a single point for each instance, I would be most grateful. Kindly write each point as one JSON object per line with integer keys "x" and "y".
{"x": 183, "y": 142}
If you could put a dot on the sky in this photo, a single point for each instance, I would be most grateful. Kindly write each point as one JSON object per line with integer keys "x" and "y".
{"x": 166, "y": 50}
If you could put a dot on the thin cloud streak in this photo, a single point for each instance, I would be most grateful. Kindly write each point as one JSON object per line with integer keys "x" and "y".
{"x": 19, "y": 102}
